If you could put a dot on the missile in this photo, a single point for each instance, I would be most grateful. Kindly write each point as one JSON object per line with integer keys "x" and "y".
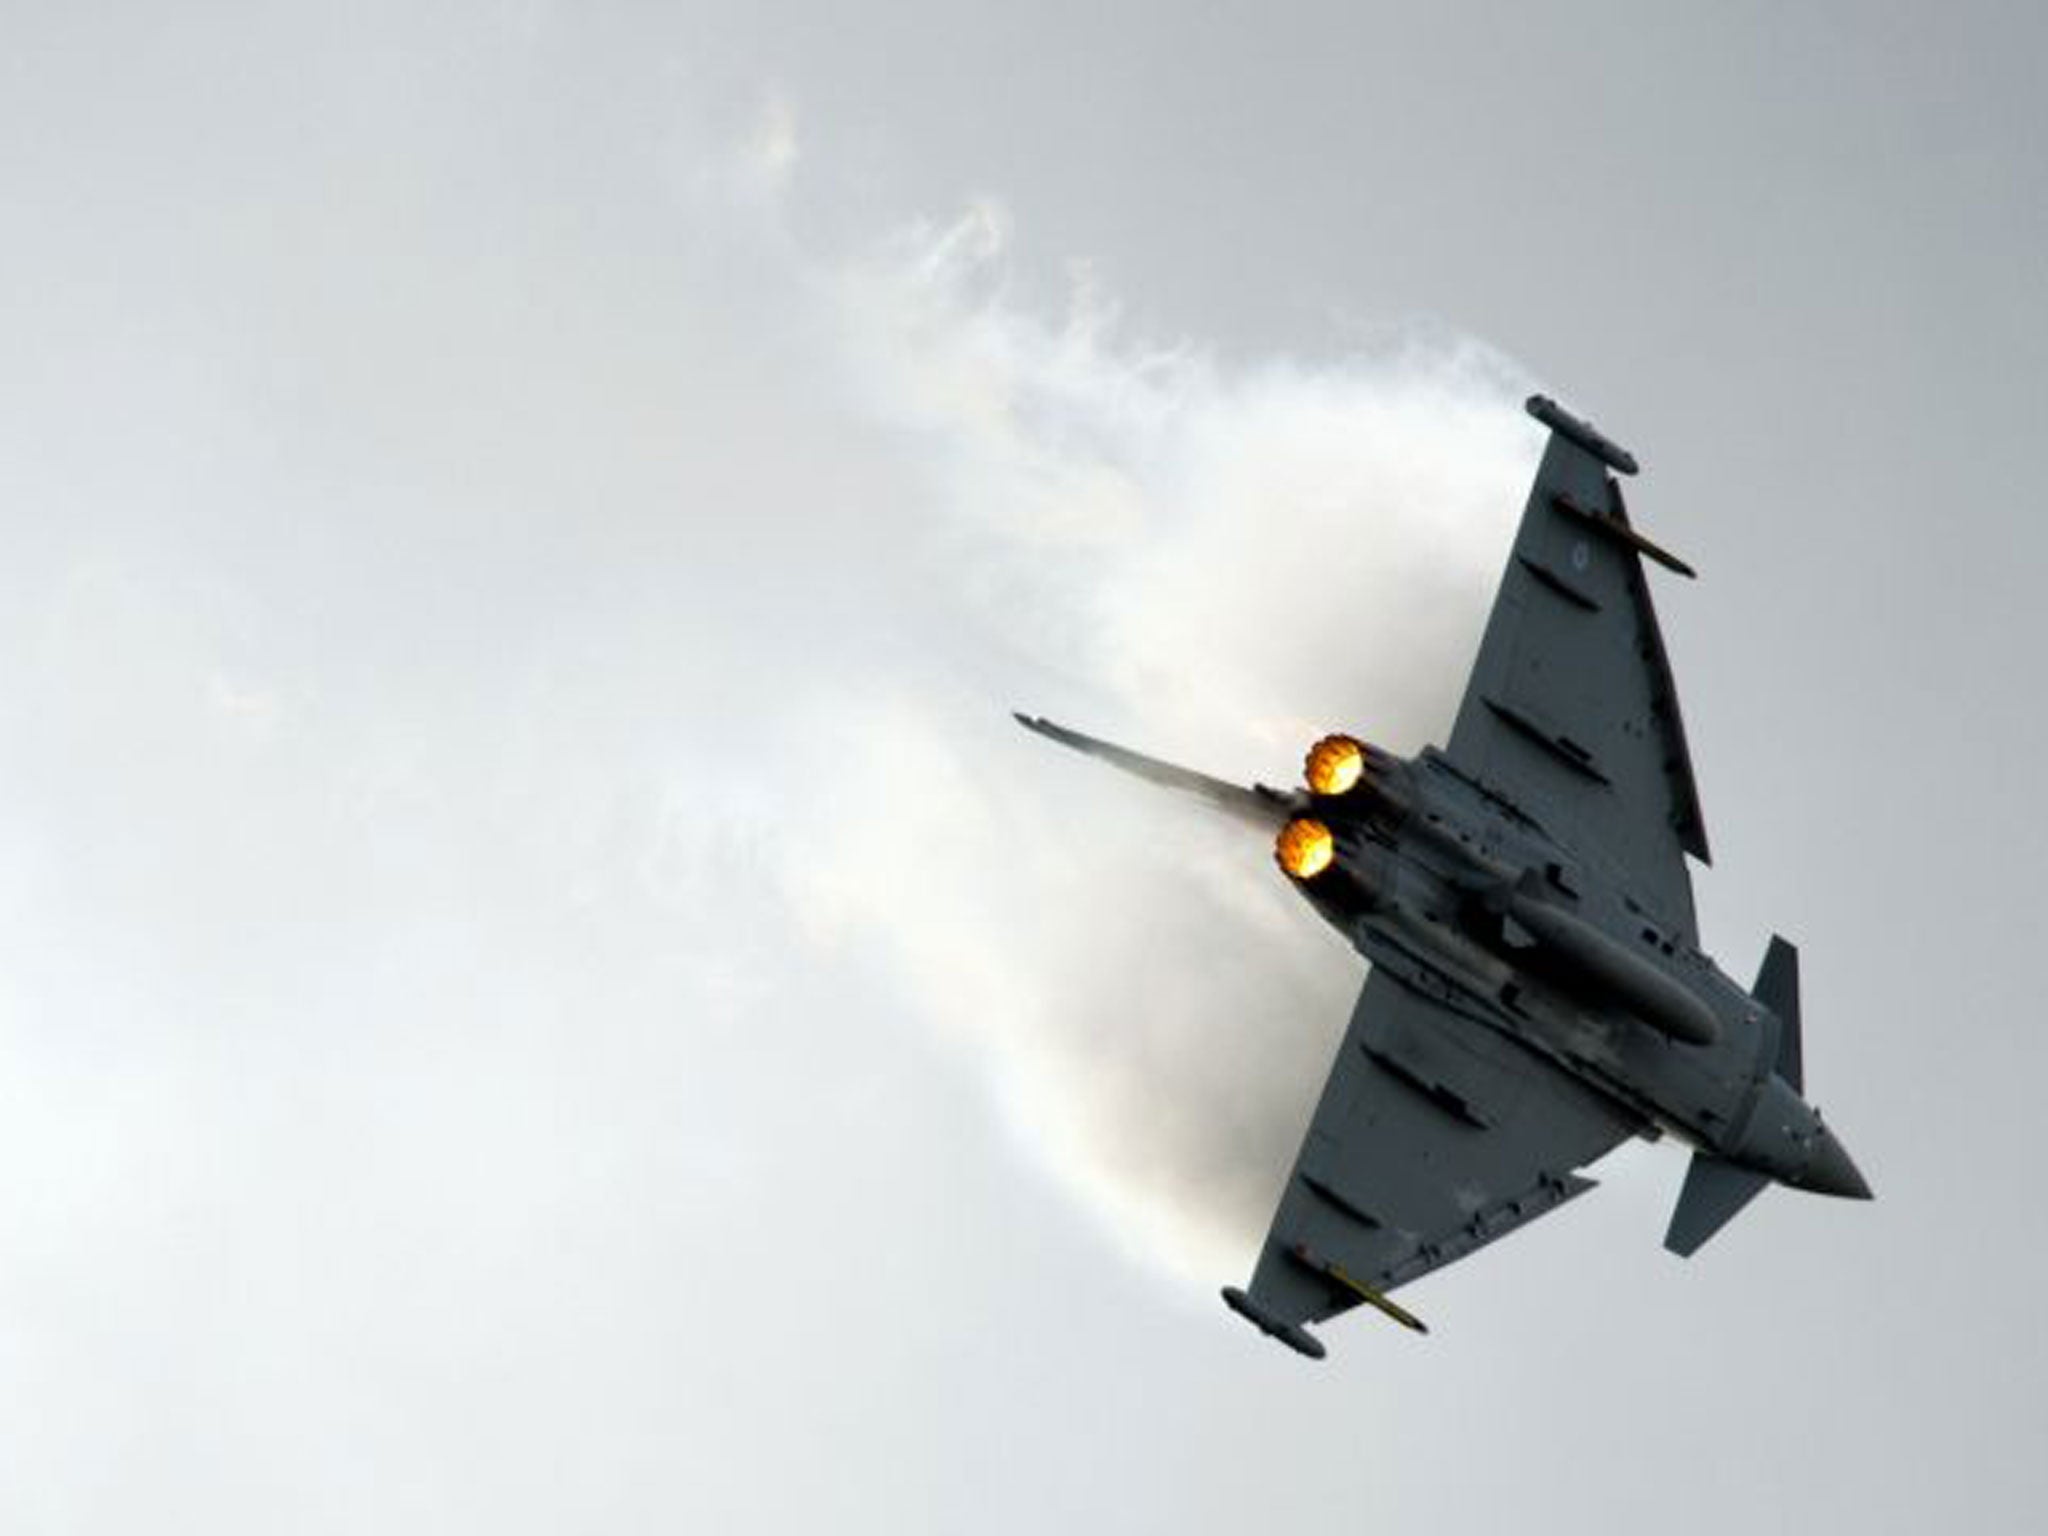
{"x": 1373, "y": 1298}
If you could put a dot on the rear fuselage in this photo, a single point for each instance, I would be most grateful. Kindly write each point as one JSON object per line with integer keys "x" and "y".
{"x": 1466, "y": 896}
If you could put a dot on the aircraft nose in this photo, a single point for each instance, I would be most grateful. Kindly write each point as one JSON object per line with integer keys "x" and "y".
{"x": 1829, "y": 1170}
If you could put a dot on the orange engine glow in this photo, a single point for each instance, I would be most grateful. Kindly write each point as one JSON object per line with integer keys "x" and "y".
{"x": 1335, "y": 765}
{"x": 1305, "y": 848}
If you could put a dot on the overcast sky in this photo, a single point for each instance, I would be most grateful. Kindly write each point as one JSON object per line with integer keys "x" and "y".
{"x": 541, "y": 989}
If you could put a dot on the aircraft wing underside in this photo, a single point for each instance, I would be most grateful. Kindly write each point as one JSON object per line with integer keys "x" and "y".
{"x": 1570, "y": 712}
{"x": 1436, "y": 1134}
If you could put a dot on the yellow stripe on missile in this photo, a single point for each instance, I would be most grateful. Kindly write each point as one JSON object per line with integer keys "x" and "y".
{"x": 1373, "y": 1298}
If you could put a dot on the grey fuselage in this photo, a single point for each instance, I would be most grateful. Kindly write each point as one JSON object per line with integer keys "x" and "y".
{"x": 1468, "y": 899}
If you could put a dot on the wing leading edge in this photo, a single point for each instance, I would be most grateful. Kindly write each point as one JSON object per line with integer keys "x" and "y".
{"x": 1570, "y": 712}
{"x": 1436, "y": 1135}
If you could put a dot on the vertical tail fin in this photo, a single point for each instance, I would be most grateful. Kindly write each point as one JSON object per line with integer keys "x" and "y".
{"x": 1777, "y": 988}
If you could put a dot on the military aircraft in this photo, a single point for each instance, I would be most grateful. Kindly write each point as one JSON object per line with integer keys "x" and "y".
{"x": 1537, "y": 994}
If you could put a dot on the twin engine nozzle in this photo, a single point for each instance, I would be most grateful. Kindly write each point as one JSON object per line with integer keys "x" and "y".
{"x": 1305, "y": 848}
{"x": 1335, "y": 766}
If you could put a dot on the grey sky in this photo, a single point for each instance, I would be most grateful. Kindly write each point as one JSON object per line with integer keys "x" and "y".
{"x": 545, "y": 993}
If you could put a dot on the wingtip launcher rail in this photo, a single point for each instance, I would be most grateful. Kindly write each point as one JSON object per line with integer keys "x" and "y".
{"x": 1565, "y": 424}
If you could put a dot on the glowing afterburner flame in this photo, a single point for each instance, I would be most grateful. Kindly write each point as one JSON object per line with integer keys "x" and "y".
{"x": 1335, "y": 765}
{"x": 1305, "y": 848}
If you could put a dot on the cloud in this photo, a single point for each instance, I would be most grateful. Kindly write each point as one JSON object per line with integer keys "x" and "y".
{"x": 522, "y": 724}
{"x": 1214, "y": 562}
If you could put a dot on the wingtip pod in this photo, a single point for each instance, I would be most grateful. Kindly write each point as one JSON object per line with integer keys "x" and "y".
{"x": 1293, "y": 1335}
{"x": 1565, "y": 424}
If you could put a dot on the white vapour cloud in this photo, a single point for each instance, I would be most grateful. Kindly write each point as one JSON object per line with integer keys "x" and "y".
{"x": 528, "y": 686}
{"x": 1214, "y": 563}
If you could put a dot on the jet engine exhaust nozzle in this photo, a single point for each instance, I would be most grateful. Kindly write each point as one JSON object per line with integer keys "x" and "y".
{"x": 1335, "y": 765}
{"x": 1305, "y": 848}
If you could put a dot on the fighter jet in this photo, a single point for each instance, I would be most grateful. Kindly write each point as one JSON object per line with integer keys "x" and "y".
{"x": 1537, "y": 993}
